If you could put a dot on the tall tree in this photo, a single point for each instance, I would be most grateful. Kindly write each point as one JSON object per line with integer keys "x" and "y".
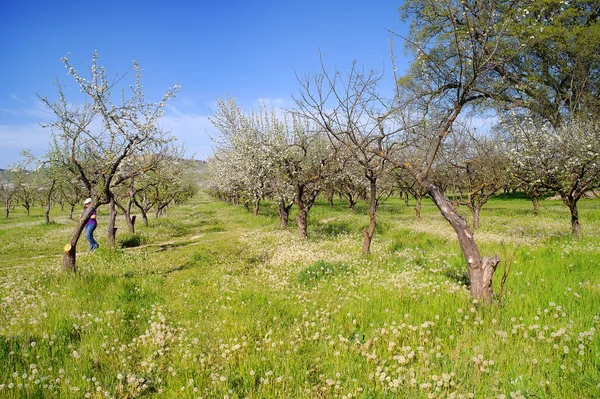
{"x": 505, "y": 54}
{"x": 565, "y": 160}
{"x": 8, "y": 189}
{"x": 108, "y": 138}
{"x": 481, "y": 169}
{"x": 348, "y": 107}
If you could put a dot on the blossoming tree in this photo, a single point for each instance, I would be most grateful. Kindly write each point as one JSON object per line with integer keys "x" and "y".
{"x": 114, "y": 125}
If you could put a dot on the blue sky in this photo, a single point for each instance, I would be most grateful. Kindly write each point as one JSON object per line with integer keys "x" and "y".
{"x": 246, "y": 49}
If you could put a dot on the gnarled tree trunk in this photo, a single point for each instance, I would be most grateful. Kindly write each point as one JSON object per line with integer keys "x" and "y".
{"x": 284, "y": 214}
{"x": 571, "y": 202}
{"x": 48, "y": 199}
{"x": 112, "y": 219}
{"x": 351, "y": 200}
{"x": 536, "y": 204}
{"x": 481, "y": 269}
{"x": 70, "y": 252}
{"x": 476, "y": 211}
{"x": 417, "y": 208}
{"x": 368, "y": 233}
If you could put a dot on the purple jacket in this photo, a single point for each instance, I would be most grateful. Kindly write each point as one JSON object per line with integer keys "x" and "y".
{"x": 91, "y": 221}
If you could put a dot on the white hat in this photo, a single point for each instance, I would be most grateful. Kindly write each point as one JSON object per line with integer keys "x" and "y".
{"x": 87, "y": 201}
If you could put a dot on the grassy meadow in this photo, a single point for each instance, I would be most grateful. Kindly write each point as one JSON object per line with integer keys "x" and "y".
{"x": 217, "y": 303}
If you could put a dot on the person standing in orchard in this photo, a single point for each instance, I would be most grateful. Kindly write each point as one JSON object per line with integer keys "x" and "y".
{"x": 91, "y": 226}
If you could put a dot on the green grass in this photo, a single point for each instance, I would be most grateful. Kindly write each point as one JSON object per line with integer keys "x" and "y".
{"x": 214, "y": 302}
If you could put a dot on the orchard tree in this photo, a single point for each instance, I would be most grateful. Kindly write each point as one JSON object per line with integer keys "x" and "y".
{"x": 310, "y": 164}
{"x": 473, "y": 54}
{"x": 246, "y": 137}
{"x": 458, "y": 47}
{"x": 349, "y": 108}
{"x": 556, "y": 74}
{"x": 565, "y": 160}
{"x": 114, "y": 126}
{"x": 409, "y": 185}
{"x": 170, "y": 181}
{"x": 481, "y": 169}
{"x": 351, "y": 183}
{"x": 8, "y": 190}
{"x": 26, "y": 180}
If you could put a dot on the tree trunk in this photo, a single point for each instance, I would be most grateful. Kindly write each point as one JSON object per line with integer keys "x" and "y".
{"x": 368, "y": 233}
{"x": 330, "y": 198}
{"x": 571, "y": 202}
{"x": 129, "y": 221}
{"x": 476, "y": 210}
{"x": 302, "y": 224}
{"x": 481, "y": 269}
{"x": 417, "y": 208}
{"x": 536, "y": 203}
{"x": 48, "y": 198}
{"x": 70, "y": 253}
{"x": 303, "y": 208}
{"x": 71, "y": 211}
{"x": 143, "y": 211}
{"x": 284, "y": 214}
{"x": 112, "y": 219}
{"x": 255, "y": 207}
{"x": 69, "y": 259}
{"x": 351, "y": 201}
{"x": 6, "y": 211}
{"x": 301, "y": 219}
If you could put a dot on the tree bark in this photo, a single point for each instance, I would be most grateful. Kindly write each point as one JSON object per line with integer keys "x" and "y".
{"x": 417, "y": 208}
{"x": 351, "y": 201}
{"x": 303, "y": 209}
{"x": 255, "y": 207}
{"x": 481, "y": 269}
{"x": 284, "y": 214}
{"x": 69, "y": 259}
{"x": 70, "y": 253}
{"x": 536, "y": 204}
{"x": 368, "y": 233}
{"x": 129, "y": 220}
{"x": 112, "y": 219}
{"x": 476, "y": 210}
{"x": 330, "y": 198}
{"x": 71, "y": 209}
{"x": 48, "y": 198}
{"x": 301, "y": 222}
{"x": 571, "y": 202}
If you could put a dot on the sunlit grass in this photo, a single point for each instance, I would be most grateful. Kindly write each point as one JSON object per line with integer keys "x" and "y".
{"x": 213, "y": 302}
